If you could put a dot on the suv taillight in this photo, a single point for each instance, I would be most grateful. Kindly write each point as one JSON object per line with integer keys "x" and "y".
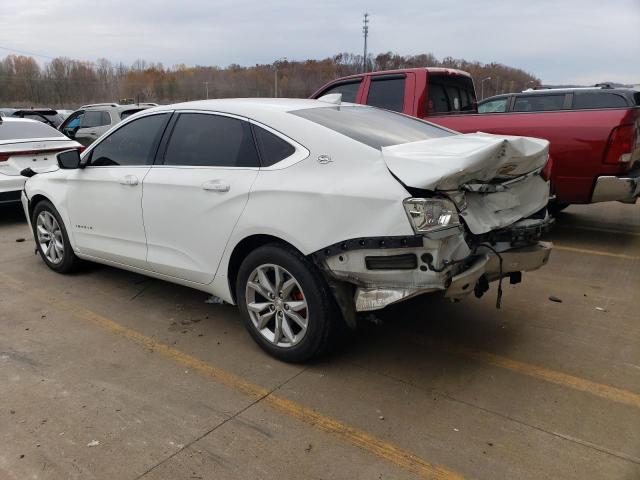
{"x": 548, "y": 168}
{"x": 5, "y": 156}
{"x": 622, "y": 142}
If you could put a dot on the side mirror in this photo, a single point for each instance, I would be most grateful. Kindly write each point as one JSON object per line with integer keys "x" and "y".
{"x": 69, "y": 159}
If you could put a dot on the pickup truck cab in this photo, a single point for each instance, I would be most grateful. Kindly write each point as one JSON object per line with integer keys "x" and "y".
{"x": 594, "y": 132}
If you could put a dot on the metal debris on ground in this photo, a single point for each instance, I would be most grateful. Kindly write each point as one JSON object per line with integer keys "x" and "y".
{"x": 214, "y": 300}
{"x": 553, "y": 298}
{"x": 93, "y": 443}
{"x": 600, "y": 309}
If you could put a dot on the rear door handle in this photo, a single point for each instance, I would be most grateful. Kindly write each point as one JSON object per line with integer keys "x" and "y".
{"x": 128, "y": 180}
{"x": 216, "y": 186}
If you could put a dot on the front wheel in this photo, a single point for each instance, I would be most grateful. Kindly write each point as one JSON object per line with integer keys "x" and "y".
{"x": 51, "y": 238}
{"x": 286, "y": 304}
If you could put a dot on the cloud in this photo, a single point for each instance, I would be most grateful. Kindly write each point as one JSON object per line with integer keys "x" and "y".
{"x": 561, "y": 42}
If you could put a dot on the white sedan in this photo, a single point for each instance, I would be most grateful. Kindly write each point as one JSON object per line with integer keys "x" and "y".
{"x": 26, "y": 144}
{"x": 301, "y": 212}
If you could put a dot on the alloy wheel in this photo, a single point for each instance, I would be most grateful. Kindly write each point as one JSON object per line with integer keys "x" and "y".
{"x": 50, "y": 237}
{"x": 277, "y": 305}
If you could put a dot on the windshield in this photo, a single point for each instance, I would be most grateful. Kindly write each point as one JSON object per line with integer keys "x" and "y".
{"x": 372, "y": 126}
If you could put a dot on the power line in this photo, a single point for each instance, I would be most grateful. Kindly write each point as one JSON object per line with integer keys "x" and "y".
{"x": 24, "y": 52}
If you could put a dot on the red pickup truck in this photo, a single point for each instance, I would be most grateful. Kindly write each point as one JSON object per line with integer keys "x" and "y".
{"x": 594, "y": 132}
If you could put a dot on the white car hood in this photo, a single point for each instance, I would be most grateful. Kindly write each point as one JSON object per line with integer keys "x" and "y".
{"x": 446, "y": 163}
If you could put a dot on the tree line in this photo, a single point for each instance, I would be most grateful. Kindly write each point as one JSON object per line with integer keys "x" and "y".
{"x": 68, "y": 83}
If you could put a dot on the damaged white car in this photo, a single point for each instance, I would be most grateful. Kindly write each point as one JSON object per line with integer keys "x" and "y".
{"x": 301, "y": 212}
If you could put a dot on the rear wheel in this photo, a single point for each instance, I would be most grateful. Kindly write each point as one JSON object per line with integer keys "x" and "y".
{"x": 51, "y": 238}
{"x": 285, "y": 303}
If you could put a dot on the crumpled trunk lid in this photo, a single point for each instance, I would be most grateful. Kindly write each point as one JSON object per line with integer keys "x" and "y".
{"x": 496, "y": 172}
{"x": 446, "y": 163}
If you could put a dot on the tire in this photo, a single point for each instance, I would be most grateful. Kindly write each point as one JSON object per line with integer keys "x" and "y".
{"x": 61, "y": 260}
{"x": 321, "y": 313}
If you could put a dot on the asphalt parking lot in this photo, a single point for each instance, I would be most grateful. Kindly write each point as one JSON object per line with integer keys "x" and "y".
{"x": 107, "y": 374}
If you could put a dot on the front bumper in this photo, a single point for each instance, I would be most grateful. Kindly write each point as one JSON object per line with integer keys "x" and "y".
{"x": 623, "y": 189}
{"x": 487, "y": 264}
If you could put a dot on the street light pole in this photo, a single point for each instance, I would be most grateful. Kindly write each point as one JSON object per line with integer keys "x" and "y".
{"x": 482, "y": 87}
{"x": 206, "y": 90}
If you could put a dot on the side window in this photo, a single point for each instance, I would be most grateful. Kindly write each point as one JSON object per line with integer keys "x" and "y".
{"x": 272, "y": 148}
{"x": 539, "y": 103}
{"x": 133, "y": 144}
{"x": 494, "y": 106}
{"x": 72, "y": 124}
{"x": 205, "y": 140}
{"x": 95, "y": 118}
{"x": 438, "y": 102}
{"x": 583, "y": 100}
{"x": 387, "y": 93}
{"x": 349, "y": 91}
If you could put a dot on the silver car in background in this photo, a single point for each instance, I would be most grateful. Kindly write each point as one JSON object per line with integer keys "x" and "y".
{"x": 89, "y": 122}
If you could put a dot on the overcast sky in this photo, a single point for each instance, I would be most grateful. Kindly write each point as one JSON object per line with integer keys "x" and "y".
{"x": 571, "y": 41}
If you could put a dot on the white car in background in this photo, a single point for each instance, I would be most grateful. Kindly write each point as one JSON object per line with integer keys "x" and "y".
{"x": 26, "y": 143}
{"x": 302, "y": 212}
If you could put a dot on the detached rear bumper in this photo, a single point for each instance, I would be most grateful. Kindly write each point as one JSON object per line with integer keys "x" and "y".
{"x": 486, "y": 264}
{"x": 623, "y": 189}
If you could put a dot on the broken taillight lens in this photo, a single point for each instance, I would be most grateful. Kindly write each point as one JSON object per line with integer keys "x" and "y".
{"x": 622, "y": 142}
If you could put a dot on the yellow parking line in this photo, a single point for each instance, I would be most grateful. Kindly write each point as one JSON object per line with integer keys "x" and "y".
{"x": 595, "y": 252}
{"x": 605, "y": 391}
{"x": 359, "y": 438}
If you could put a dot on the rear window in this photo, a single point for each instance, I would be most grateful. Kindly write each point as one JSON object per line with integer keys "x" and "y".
{"x": 128, "y": 113}
{"x": 387, "y": 92}
{"x": 373, "y": 127}
{"x": 539, "y": 103}
{"x": 583, "y": 100}
{"x": 27, "y": 130}
{"x": 450, "y": 93}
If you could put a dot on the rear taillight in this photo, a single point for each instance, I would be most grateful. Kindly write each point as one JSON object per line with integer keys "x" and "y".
{"x": 5, "y": 156}
{"x": 548, "y": 168}
{"x": 622, "y": 141}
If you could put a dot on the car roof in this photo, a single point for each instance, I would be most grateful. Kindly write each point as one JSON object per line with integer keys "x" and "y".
{"x": 116, "y": 107}
{"x": 248, "y": 107}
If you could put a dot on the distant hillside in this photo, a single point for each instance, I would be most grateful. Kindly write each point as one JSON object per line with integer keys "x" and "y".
{"x": 63, "y": 82}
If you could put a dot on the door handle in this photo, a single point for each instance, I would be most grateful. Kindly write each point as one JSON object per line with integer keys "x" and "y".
{"x": 216, "y": 186}
{"x": 128, "y": 180}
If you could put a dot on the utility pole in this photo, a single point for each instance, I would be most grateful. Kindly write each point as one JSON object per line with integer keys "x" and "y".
{"x": 275, "y": 75}
{"x": 206, "y": 90}
{"x": 365, "y": 32}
